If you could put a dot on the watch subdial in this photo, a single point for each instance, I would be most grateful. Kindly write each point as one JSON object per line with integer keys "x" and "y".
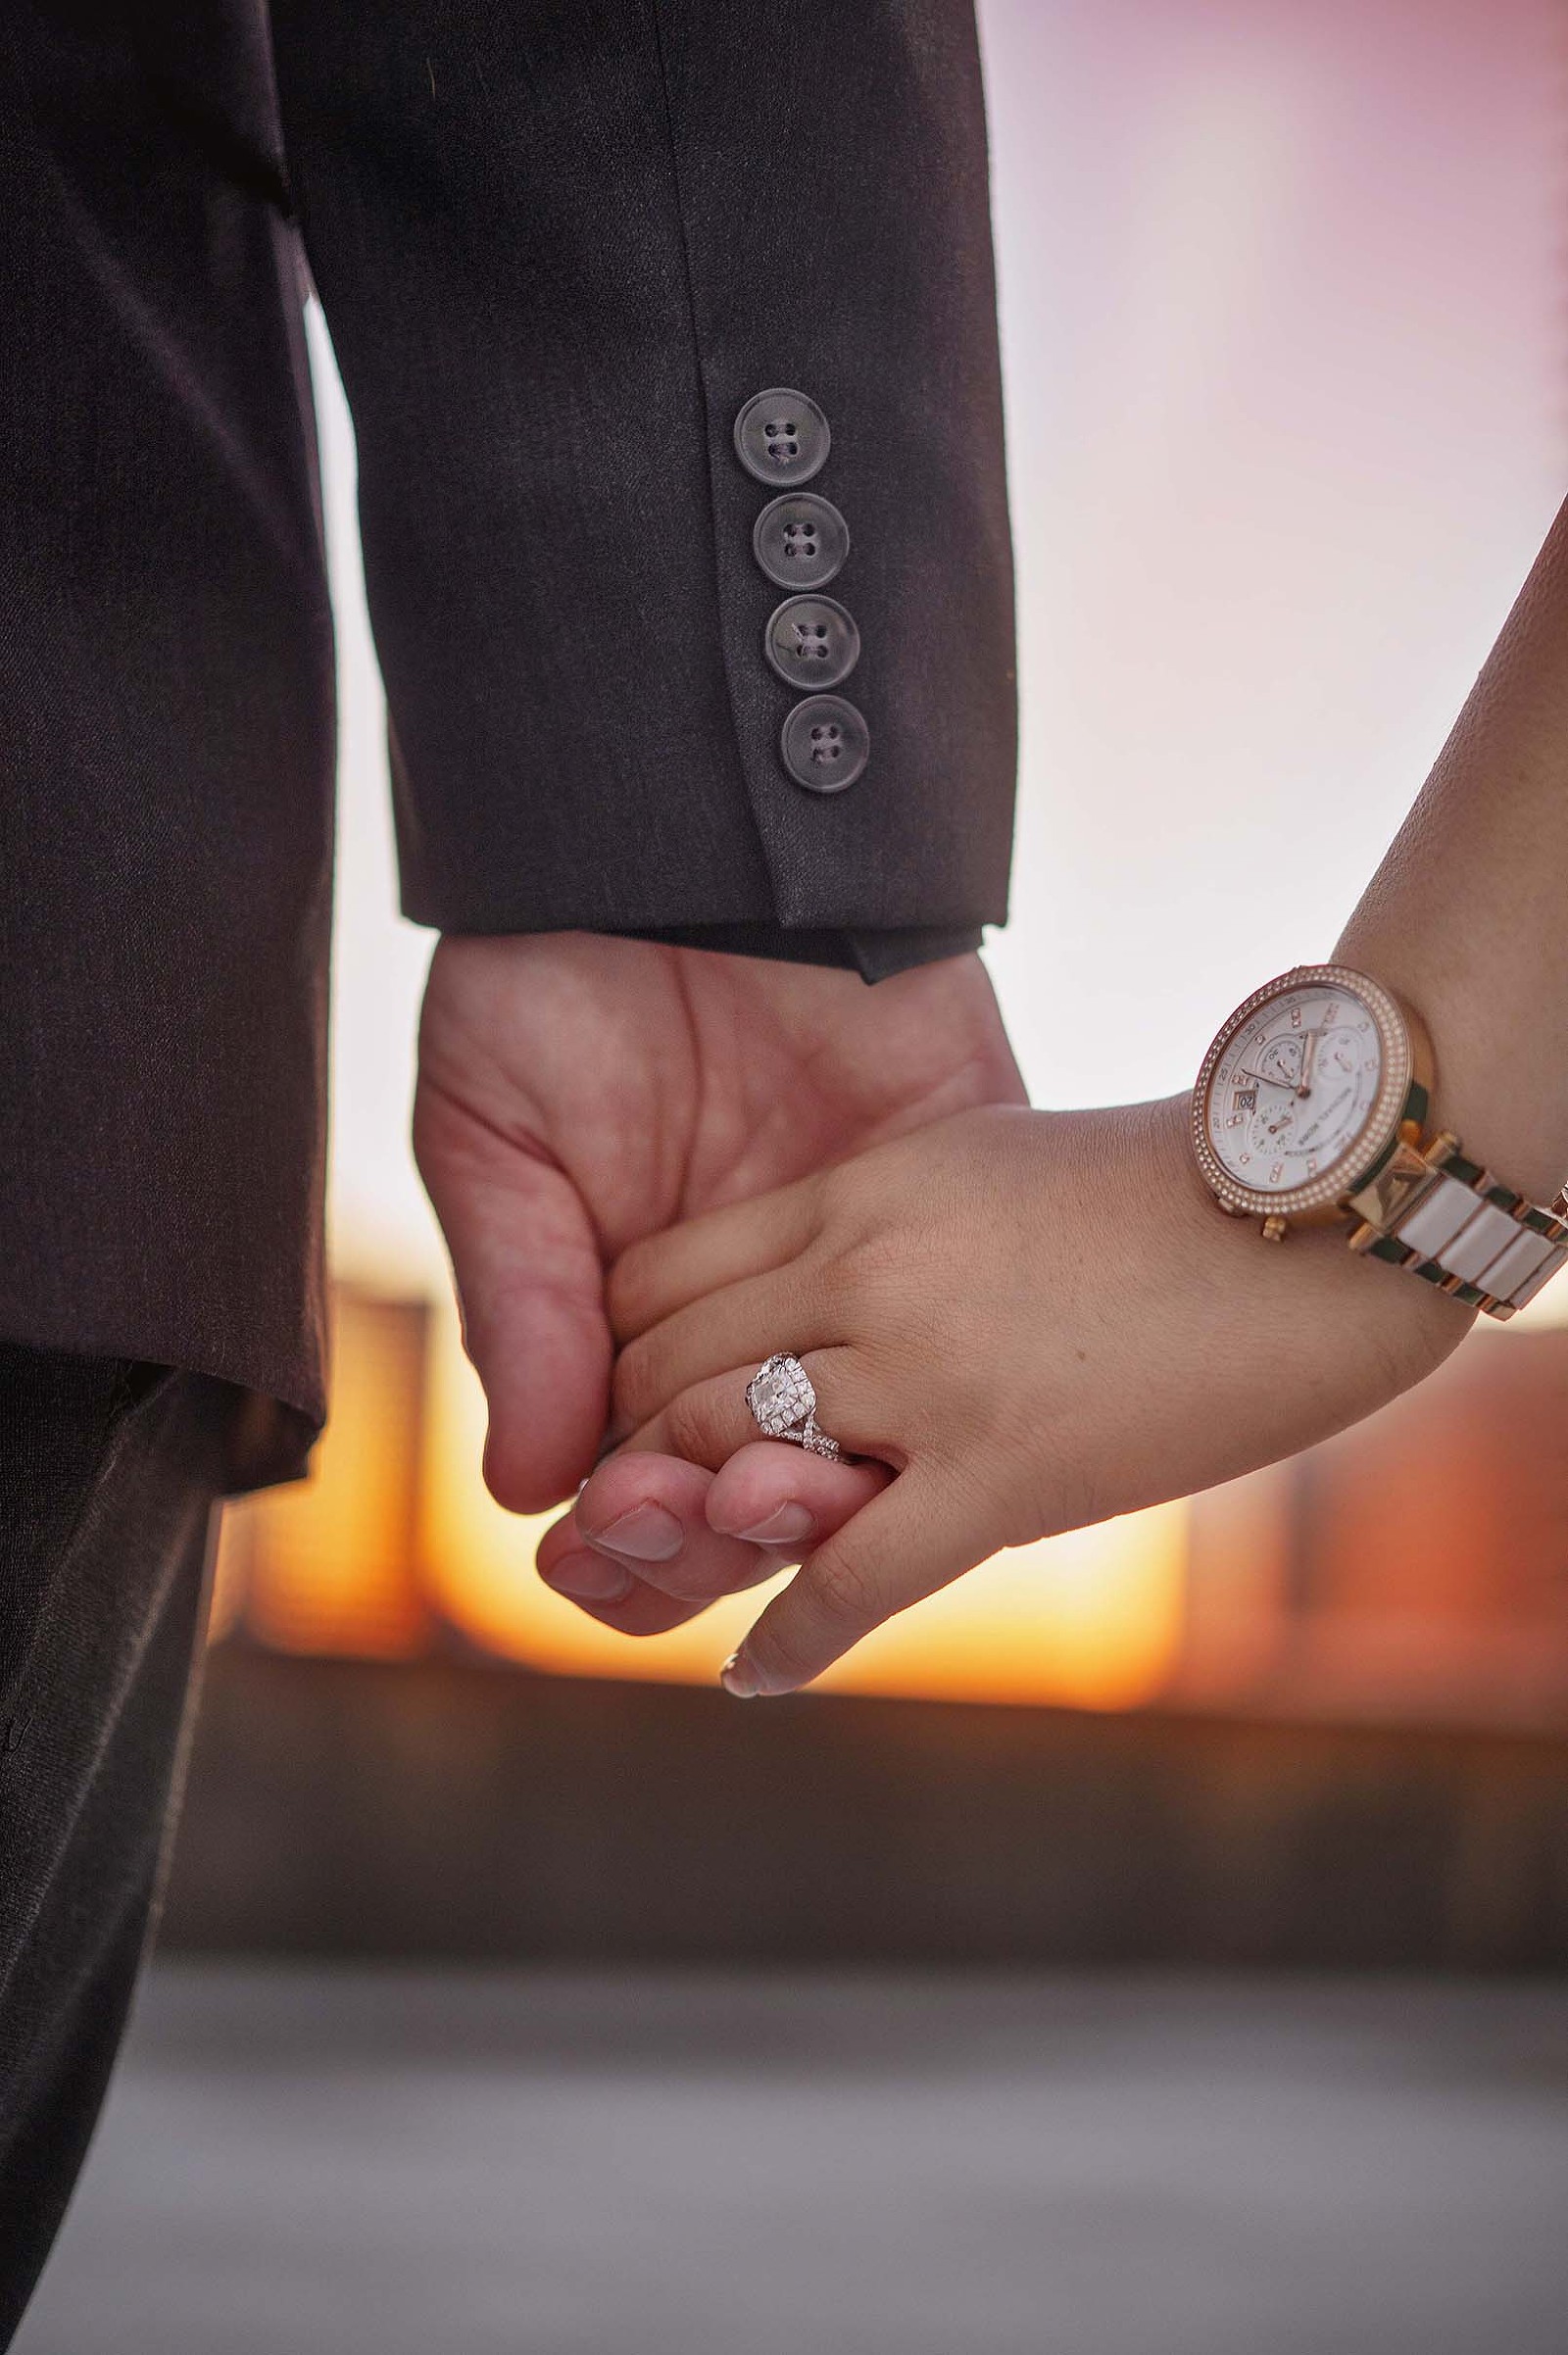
{"x": 1271, "y": 1129}
{"x": 1337, "y": 1058}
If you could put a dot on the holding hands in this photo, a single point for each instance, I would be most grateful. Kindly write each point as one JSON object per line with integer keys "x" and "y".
{"x": 1026, "y": 1323}
{"x": 578, "y": 1093}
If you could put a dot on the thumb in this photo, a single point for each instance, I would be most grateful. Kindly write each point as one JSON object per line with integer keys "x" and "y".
{"x": 895, "y": 1550}
{"x": 530, "y": 1286}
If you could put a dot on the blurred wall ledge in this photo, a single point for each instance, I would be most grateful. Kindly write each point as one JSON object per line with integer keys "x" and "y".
{"x": 451, "y": 1810}
{"x": 1349, "y": 1743}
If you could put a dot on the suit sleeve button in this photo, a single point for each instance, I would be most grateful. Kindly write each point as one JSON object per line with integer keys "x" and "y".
{"x": 781, "y": 437}
{"x": 811, "y": 641}
{"x": 801, "y": 541}
{"x": 826, "y": 744}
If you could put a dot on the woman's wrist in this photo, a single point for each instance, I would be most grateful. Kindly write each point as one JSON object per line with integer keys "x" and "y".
{"x": 1498, "y": 1089}
{"x": 1313, "y": 1275}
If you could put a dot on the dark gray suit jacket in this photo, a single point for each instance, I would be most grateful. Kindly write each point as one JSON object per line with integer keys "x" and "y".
{"x": 560, "y": 245}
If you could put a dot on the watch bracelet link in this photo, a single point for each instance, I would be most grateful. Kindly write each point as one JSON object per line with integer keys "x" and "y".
{"x": 1442, "y": 1218}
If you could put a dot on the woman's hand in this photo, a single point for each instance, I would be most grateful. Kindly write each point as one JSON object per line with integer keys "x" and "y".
{"x": 1033, "y": 1321}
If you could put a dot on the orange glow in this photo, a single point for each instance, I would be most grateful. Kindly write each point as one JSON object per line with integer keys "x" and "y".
{"x": 331, "y": 1564}
{"x": 1090, "y": 1620}
{"x": 1353, "y": 1593}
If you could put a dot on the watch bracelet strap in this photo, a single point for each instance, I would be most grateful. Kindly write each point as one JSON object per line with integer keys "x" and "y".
{"x": 1442, "y": 1218}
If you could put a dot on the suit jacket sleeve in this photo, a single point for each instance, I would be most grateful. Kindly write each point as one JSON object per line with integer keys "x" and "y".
{"x": 559, "y": 247}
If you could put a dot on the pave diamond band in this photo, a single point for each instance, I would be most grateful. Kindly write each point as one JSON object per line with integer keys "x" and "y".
{"x": 783, "y": 1405}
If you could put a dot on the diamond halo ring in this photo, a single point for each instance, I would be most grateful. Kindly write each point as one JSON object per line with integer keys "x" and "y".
{"x": 783, "y": 1405}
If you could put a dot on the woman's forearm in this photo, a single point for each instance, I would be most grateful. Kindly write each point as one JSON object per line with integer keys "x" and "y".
{"x": 1467, "y": 917}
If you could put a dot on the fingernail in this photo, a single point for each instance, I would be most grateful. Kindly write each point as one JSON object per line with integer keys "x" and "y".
{"x": 588, "y": 1578}
{"x": 739, "y": 1677}
{"x": 785, "y": 1527}
{"x": 648, "y": 1534}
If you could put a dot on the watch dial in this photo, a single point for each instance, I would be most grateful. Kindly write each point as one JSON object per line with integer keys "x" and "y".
{"x": 1294, "y": 1088}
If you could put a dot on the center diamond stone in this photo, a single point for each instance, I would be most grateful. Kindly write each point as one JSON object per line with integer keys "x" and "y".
{"x": 780, "y": 1395}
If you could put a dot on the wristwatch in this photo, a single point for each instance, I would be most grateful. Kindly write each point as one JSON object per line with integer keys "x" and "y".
{"x": 1312, "y": 1110}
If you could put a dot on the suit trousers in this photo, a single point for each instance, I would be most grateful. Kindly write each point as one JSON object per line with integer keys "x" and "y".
{"x": 109, "y": 1476}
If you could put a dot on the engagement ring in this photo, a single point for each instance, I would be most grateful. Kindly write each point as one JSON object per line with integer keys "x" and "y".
{"x": 783, "y": 1405}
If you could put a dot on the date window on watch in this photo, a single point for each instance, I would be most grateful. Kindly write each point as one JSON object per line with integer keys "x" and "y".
{"x": 1244, "y": 1099}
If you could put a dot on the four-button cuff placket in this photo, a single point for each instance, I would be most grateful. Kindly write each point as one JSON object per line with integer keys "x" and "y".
{"x": 800, "y": 542}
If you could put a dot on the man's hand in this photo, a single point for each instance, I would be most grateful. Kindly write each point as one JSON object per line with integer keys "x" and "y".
{"x": 577, "y": 1094}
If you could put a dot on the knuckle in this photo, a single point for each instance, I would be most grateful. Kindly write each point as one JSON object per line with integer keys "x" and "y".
{"x": 433, "y": 1137}
{"x": 423, "y": 1132}
{"x": 689, "y": 1426}
{"x": 627, "y": 1291}
{"x": 865, "y": 1269}
{"x": 778, "y": 1653}
{"x": 634, "y": 1384}
{"x": 847, "y": 1589}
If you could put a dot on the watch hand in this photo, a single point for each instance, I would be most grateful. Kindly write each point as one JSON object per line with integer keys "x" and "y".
{"x": 1308, "y": 1059}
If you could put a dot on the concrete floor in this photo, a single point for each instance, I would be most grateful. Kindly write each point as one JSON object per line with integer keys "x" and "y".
{"x": 307, "y": 2162}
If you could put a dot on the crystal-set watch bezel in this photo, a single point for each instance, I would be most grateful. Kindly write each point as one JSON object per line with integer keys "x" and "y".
{"x": 1322, "y": 1197}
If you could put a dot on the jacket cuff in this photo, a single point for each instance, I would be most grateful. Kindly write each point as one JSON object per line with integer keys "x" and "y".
{"x": 578, "y": 263}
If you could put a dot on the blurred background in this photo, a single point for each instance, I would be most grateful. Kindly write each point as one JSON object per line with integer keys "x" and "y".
{"x": 1155, "y": 1943}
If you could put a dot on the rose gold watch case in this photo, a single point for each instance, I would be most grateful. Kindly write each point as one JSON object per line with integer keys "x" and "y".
{"x": 1407, "y": 1060}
